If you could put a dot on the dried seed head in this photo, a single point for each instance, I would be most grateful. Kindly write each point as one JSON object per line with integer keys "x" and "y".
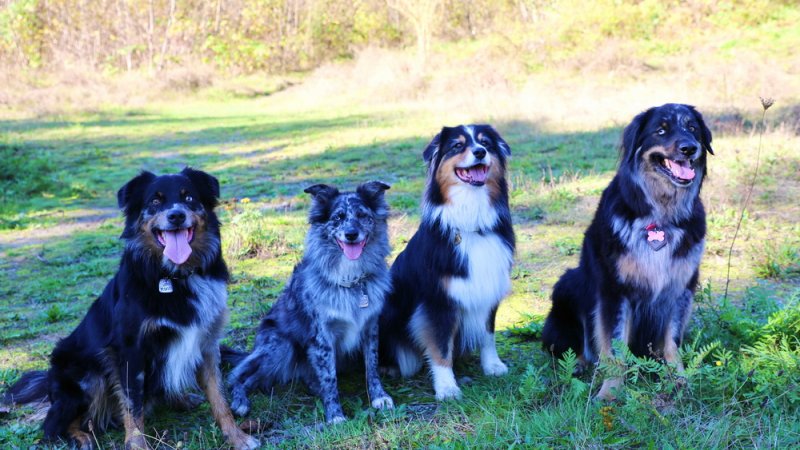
{"x": 766, "y": 102}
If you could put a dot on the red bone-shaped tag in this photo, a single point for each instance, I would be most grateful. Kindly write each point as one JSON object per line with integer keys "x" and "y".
{"x": 656, "y": 237}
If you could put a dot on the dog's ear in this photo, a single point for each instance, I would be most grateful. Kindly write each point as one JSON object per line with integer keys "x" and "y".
{"x": 372, "y": 194}
{"x": 502, "y": 145}
{"x": 322, "y": 192}
{"x": 632, "y": 135}
{"x": 322, "y": 195}
{"x": 432, "y": 149}
{"x": 207, "y": 186}
{"x": 705, "y": 133}
{"x": 129, "y": 196}
{"x": 130, "y": 199}
{"x": 372, "y": 189}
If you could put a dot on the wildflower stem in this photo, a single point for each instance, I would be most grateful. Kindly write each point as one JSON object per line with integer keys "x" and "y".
{"x": 765, "y": 103}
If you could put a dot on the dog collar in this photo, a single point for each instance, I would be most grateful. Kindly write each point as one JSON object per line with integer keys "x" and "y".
{"x": 457, "y": 235}
{"x": 348, "y": 283}
{"x": 363, "y": 301}
{"x": 165, "y": 283}
{"x": 656, "y": 236}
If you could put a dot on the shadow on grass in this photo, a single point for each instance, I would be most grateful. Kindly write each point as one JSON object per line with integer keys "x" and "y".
{"x": 98, "y": 166}
{"x": 256, "y": 156}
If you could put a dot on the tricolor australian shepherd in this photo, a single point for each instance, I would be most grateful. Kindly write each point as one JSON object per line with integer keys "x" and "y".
{"x": 455, "y": 271}
{"x": 153, "y": 333}
{"x": 639, "y": 264}
{"x": 328, "y": 311}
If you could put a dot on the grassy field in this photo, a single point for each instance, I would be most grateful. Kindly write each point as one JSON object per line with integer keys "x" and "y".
{"x": 59, "y": 245}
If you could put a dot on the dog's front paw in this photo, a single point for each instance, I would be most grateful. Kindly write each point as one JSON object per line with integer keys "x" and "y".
{"x": 240, "y": 405}
{"x": 336, "y": 419}
{"x": 136, "y": 442}
{"x": 495, "y": 368}
{"x": 384, "y": 402}
{"x": 244, "y": 441}
{"x": 81, "y": 440}
{"x": 608, "y": 389}
{"x": 448, "y": 393}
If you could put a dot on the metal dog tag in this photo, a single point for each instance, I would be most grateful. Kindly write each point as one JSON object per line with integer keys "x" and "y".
{"x": 165, "y": 286}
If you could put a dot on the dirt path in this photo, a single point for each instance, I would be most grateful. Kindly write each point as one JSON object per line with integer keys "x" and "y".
{"x": 72, "y": 222}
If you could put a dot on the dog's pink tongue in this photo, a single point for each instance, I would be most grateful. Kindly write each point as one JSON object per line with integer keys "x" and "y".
{"x": 353, "y": 251}
{"x": 682, "y": 170}
{"x": 478, "y": 173}
{"x": 176, "y": 245}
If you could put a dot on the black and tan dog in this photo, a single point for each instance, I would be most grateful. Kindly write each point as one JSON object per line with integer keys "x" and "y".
{"x": 154, "y": 332}
{"x": 449, "y": 281}
{"x": 641, "y": 254}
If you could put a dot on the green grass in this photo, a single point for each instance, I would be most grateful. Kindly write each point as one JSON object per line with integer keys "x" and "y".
{"x": 59, "y": 233}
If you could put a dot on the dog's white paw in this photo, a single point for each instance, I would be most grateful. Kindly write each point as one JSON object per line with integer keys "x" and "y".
{"x": 495, "y": 368}
{"x": 246, "y": 442}
{"x": 444, "y": 383}
{"x": 240, "y": 406}
{"x": 383, "y": 403}
{"x": 448, "y": 392}
{"x": 608, "y": 389}
{"x": 336, "y": 419}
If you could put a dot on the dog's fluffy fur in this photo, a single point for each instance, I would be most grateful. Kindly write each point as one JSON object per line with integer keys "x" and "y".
{"x": 329, "y": 308}
{"x": 452, "y": 276}
{"x": 137, "y": 345}
{"x": 624, "y": 289}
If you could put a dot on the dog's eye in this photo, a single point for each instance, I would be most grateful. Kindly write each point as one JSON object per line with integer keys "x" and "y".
{"x": 361, "y": 215}
{"x": 661, "y": 132}
{"x": 338, "y": 217}
{"x": 188, "y": 198}
{"x": 485, "y": 142}
{"x": 156, "y": 201}
{"x": 692, "y": 128}
{"x": 458, "y": 146}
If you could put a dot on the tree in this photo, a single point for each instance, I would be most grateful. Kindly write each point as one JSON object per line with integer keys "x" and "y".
{"x": 422, "y": 16}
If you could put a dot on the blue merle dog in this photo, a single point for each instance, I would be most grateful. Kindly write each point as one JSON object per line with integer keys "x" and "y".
{"x": 330, "y": 306}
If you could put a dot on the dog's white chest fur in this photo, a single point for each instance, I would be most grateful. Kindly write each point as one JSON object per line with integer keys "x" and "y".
{"x": 487, "y": 282}
{"x": 185, "y": 353}
{"x": 469, "y": 209}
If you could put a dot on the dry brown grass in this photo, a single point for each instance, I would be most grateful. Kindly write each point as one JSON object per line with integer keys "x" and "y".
{"x": 604, "y": 88}
{"x": 78, "y": 88}
{"x": 484, "y": 82}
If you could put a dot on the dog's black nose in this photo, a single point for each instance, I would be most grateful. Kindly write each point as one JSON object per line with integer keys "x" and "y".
{"x": 176, "y": 217}
{"x": 479, "y": 153}
{"x": 351, "y": 235}
{"x": 687, "y": 148}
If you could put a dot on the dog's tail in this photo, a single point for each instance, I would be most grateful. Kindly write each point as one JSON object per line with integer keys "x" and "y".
{"x": 271, "y": 362}
{"x": 231, "y": 356}
{"x": 31, "y": 388}
{"x": 563, "y": 328}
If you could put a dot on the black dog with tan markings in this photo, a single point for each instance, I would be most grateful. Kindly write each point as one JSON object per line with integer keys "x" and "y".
{"x": 154, "y": 332}
{"x": 641, "y": 254}
{"x": 449, "y": 281}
